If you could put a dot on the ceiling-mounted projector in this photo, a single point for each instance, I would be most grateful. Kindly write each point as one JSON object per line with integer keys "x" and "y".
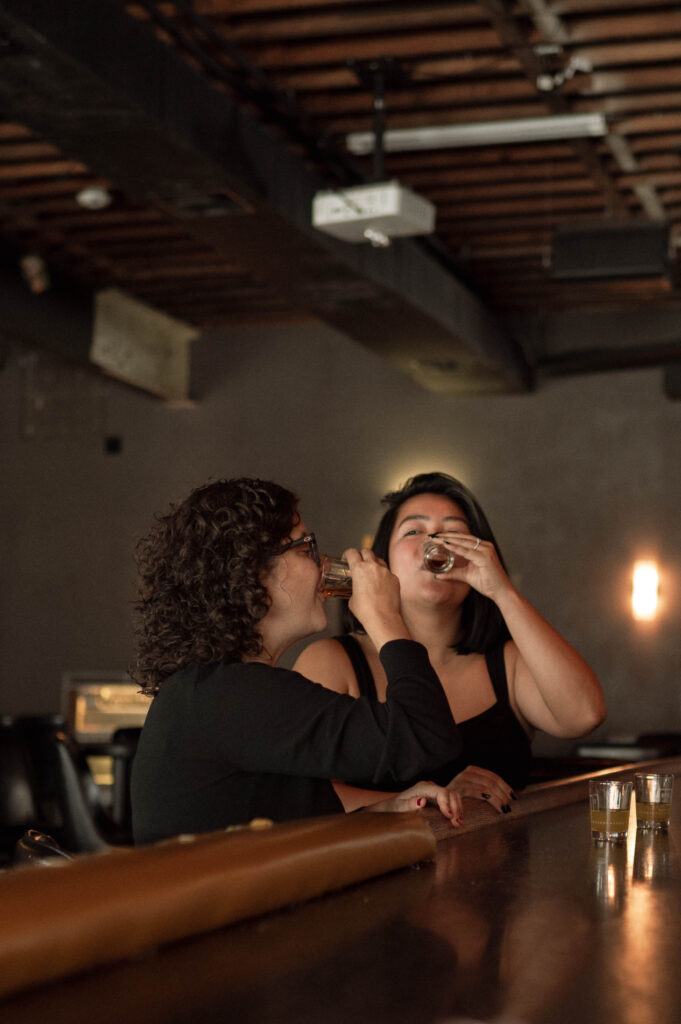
{"x": 372, "y": 213}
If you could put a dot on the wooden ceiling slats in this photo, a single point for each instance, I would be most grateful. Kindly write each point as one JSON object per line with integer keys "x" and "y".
{"x": 655, "y": 147}
{"x": 99, "y": 235}
{"x": 50, "y": 187}
{"x": 249, "y": 7}
{"x": 524, "y": 154}
{"x": 20, "y": 151}
{"x": 612, "y": 27}
{"x": 324, "y": 23}
{"x": 166, "y": 272}
{"x": 464, "y": 61}
{"x": 68, "y": 214}
{"x": 571, "y": 7}
{"x": 127, "y": 254}
{"x": 435, "y": 96}
{"x": 626, "y": 80}
{"x": 659, "y": 162}
{"x": 494, "y": 174}
{"x": 525, "y": 205}
{"x": 500, "y": 240}
{"x": 540, "y": 219}
{"x": 650, "y": 123}
{"x": 9, "y": 130}
{"x": 521, "y": 191}
{"x": 519, "y": 254}
{"x": 212, "y": 283}
{"x": 182, "y": 258}
{"x": 419, "y": 71}
{"x": 617, "y": 107}
{"x": 411, "y": 46}
{"x": 649, "y": 51}
{"x": 19, "y": 171}
{"x": 658, "y": 179}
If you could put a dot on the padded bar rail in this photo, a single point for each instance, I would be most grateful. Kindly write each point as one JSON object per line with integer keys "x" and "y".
{"x": 59, "y": 920}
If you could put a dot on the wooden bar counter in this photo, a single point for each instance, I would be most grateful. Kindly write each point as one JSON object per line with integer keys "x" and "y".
{"x": 520, "y": 919}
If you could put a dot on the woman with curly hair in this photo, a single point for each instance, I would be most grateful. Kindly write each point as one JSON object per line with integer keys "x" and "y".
{"x": 228, "y": 580}
{"x": 505, "y": 670}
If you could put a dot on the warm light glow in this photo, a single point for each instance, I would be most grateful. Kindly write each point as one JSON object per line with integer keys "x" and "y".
{"x": 395, "y": 474}
{"x": 644, "y": 592}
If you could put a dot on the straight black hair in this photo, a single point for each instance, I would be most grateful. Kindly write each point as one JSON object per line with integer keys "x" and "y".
{"x": 482, "y": 624}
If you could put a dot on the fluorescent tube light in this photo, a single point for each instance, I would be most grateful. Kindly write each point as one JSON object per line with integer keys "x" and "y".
{"x": 482, "y": 133}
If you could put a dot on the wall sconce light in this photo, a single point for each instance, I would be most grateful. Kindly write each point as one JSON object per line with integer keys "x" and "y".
{"x": 644, "y": 594}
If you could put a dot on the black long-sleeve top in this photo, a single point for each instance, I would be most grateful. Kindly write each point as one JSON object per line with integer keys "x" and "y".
{"x": 225, "y": 743}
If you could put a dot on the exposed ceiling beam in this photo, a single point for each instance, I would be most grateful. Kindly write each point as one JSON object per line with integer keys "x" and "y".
{"x": 601, "y": 360}
{"x": 129, "y": 107}
{"x": 516, "y": 39}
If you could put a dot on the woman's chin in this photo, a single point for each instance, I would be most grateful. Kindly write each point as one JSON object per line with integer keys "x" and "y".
{"x": 441, "y": 590}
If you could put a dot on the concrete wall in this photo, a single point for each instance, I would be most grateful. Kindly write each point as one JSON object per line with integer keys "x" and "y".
{"x": 578, "y": 480}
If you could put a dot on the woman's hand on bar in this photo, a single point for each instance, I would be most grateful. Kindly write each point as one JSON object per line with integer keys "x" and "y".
{"x": 418, "y": 797}
{"x": 481, "y": 784}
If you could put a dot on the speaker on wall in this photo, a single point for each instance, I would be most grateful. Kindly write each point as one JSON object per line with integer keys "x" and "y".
{"x": 624, "y": 249}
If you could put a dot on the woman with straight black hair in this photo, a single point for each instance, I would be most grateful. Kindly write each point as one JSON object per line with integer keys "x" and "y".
{"x": 505, "y": 670}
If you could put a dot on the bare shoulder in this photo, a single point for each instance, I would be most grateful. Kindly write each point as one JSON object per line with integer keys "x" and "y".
{"x": 324, "y": 661}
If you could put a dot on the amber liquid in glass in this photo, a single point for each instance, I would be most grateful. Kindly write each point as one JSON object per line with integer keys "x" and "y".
{"x": 610, "y": 820}
{"x": 652, "y": 815}
{"x": 437, "y": 558}
{"x": 337, "y": 581}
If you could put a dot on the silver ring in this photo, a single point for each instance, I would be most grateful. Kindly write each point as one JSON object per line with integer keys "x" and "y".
{"x": 477, "y": 544}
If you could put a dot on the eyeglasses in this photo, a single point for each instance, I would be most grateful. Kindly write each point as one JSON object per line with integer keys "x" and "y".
{"x": 309, "y": 539}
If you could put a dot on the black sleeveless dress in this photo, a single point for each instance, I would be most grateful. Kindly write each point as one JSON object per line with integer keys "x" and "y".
{"x": 494, "y": 739}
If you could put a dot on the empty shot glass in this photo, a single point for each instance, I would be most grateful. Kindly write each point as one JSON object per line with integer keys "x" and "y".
{"x": 609, "y": 801}
{"x": 653, "y": 800}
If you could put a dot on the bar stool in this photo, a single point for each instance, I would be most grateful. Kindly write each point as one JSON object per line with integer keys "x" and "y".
{"x": 18, "y": 805}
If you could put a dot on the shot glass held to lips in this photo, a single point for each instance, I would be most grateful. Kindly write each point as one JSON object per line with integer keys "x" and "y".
{"x": 337, "y": 579}
{"x": 437, "y": 558}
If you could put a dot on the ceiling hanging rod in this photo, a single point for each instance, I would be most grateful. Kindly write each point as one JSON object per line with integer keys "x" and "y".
{"x": 378, "y": 75}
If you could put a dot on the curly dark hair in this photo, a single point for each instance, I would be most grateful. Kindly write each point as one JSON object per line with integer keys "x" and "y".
{"x": 482, "y": 624}
{"x": 199, "y": 595}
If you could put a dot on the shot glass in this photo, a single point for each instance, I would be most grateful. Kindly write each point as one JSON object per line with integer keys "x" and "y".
{"x": 609, "y": 801}
{"x": 437, "y": 558}
{"x": 653, "y": 800}
{"x": 336, "y": 578}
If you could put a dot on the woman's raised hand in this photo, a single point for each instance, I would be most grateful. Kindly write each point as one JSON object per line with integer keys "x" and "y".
{"x": 375, "y": 597}
{"x": 481, "y": 784}
{"x": 477, "y": 563}
{"x": 417, "y": 797}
